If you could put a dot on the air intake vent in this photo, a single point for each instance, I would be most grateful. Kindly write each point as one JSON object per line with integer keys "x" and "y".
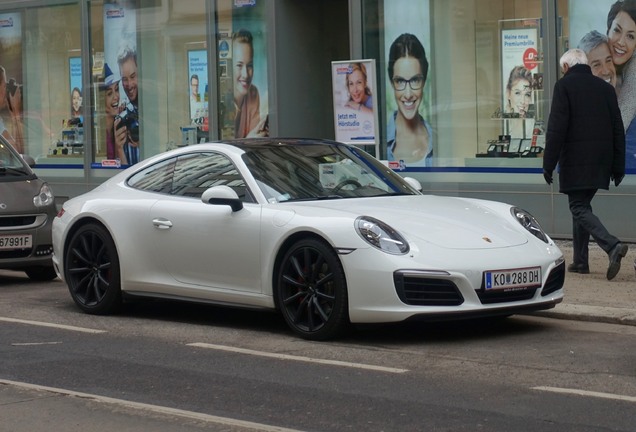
{"x": 426, "y": 291}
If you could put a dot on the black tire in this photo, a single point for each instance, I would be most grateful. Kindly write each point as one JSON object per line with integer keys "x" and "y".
{"x": 311, "y": 291}
{"x": 92, "y": 272}
{"x": 41, "y": 273}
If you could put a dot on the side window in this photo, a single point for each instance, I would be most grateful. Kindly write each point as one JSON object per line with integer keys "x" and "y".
{"x": 156, "y": 178}
{"x": 194, "y": 173}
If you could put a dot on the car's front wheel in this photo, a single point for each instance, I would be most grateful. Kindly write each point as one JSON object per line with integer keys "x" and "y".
{"x": 91, "y": 268}
{"x": 312, "y": 290}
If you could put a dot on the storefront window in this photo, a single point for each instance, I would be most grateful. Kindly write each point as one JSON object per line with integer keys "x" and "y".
{"x": 145, "y": 58}
{"x": 515, "y": 129}
{"x": 242, "y": 69}
{"x": 446, "y": 68}
{"x": 40, "y": 104}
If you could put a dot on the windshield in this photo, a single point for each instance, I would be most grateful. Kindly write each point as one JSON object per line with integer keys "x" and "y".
{"x": 321, "y": 171}
{"x": 11, "y": 164}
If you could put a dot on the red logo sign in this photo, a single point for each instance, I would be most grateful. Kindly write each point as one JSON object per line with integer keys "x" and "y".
{"x": 530, "y": 58}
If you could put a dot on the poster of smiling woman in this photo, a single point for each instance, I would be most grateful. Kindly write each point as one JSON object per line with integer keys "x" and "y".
{"x": 606, "y": 31}
{"x": 248, "y": 48}
{"x": 354, "y": 90}
{"x": 519, "y": 64}
{"x": 410, "y": 138}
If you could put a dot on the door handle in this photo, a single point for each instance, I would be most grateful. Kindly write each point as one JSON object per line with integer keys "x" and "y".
{"x": 162, "y": 223}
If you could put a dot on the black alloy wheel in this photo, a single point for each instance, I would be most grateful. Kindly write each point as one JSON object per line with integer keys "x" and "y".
{"x": 92, "y": 270}
{"x": 312, "y": 290}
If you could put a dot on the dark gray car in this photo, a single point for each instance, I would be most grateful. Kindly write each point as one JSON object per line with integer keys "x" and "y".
{"x": 27, "y": 209}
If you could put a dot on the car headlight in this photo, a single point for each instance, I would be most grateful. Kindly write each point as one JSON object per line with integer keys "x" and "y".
{"x": 380, "y": 235}
{"x": 530, "y": 223}
{"x": 44, "y": 197}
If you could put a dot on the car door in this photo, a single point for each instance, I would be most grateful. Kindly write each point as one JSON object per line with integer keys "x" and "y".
{"x": 206, "y": 245}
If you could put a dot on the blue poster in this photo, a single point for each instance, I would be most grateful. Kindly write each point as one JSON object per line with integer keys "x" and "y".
{"x": 75, "y": 85}
{"x": 198, "y": 85}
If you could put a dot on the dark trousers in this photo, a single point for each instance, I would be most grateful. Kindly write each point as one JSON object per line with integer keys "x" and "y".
{"x": 586, "y": 223}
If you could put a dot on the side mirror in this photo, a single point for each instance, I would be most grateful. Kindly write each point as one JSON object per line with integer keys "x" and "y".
{"x": 222, "y": 195}
{"x": 413, "y": 183}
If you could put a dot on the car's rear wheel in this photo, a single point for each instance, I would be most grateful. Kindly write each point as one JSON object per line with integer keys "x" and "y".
{"x": 312, "y": 290}
{"x": 41, "y": 273}
{"x": 92, "y": 272}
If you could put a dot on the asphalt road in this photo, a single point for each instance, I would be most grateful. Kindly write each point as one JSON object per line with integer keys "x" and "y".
{"x": 161, "y": 366}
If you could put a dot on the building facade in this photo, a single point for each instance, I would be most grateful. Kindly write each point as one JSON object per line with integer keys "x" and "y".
{"x": 463, "y": 85}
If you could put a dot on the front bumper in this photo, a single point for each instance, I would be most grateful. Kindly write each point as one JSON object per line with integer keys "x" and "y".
{"x": 41, "y": 250}
{"x": 399, "y": 288}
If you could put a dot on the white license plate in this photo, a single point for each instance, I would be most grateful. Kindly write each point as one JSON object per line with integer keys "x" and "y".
{"x": 23, "y": 241}
{"x": 512, "y": 278}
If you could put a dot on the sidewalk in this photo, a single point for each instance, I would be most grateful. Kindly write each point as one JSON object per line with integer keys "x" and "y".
{"x": 591, "y": 297}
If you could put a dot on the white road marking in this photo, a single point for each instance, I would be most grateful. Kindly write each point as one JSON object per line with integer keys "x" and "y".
{"x": 59, "y": 326}
{"x": 152, "y": 408}
{"x": 298, "y": 358}
{"x": 586, "y": 393}
{"x": 34, "y": 343}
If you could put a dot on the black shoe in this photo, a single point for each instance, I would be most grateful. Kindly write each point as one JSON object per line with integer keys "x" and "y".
{"x": 615, "y": 257}
{"x": 578, "y": 268}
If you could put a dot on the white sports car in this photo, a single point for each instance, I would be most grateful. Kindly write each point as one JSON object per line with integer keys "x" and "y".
{"x": 319, "y": 230}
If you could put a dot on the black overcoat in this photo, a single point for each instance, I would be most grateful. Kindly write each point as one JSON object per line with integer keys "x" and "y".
{"x": 585, "y": 134}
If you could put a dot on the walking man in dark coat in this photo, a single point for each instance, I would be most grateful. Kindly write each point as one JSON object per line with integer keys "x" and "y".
{"x": 586, "y": 138}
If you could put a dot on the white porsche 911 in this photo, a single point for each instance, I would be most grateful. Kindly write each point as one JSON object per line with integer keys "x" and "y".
{"x": 318, "y": 230}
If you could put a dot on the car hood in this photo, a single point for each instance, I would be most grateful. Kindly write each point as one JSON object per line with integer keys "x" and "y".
{"x": 16, "y": 197}
{"x": 448, "y": 222}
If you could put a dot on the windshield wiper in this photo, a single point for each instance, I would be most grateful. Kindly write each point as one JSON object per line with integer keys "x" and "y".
{"x": 317, "y": 198}
{"x": 329, "y": 197}
{"x": 11, "y": 170}
{"x": 396, "y": 194}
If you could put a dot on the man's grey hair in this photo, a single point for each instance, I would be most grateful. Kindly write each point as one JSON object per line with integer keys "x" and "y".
{"x": 591, "y": 40}
{"x": 573, "y": 57}
{"x": 126, "y": 53}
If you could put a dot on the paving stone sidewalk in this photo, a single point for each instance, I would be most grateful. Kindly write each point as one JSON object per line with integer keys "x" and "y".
{"x": 591, "y": 297}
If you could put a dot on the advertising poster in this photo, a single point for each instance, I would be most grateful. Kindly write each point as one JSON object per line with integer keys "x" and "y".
{"x": 606, "y": 31}
{"x": 519, "y": 66}
{"x": 354, "y": 107}
{"x": 586, "y": 16}
{"x": 198, "y": 86}
{"x": 519, "y": 61}
{"x": 120, "y": 82}
{"x": 407, "y": 47}
{"x": 244, "y": 108}
{"x": 11, "y": 89}
{"x": 75, "y": 86}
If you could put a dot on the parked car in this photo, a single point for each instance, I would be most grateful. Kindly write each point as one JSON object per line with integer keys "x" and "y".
{"x": 319, "y": 230}
{"x": 27, "y": 210}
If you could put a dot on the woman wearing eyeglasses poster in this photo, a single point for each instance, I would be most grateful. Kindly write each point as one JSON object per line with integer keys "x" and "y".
{"x": 409, "y": 136}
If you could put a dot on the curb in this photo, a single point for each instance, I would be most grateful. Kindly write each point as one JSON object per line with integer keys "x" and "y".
{"x": 574, "y": 312}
